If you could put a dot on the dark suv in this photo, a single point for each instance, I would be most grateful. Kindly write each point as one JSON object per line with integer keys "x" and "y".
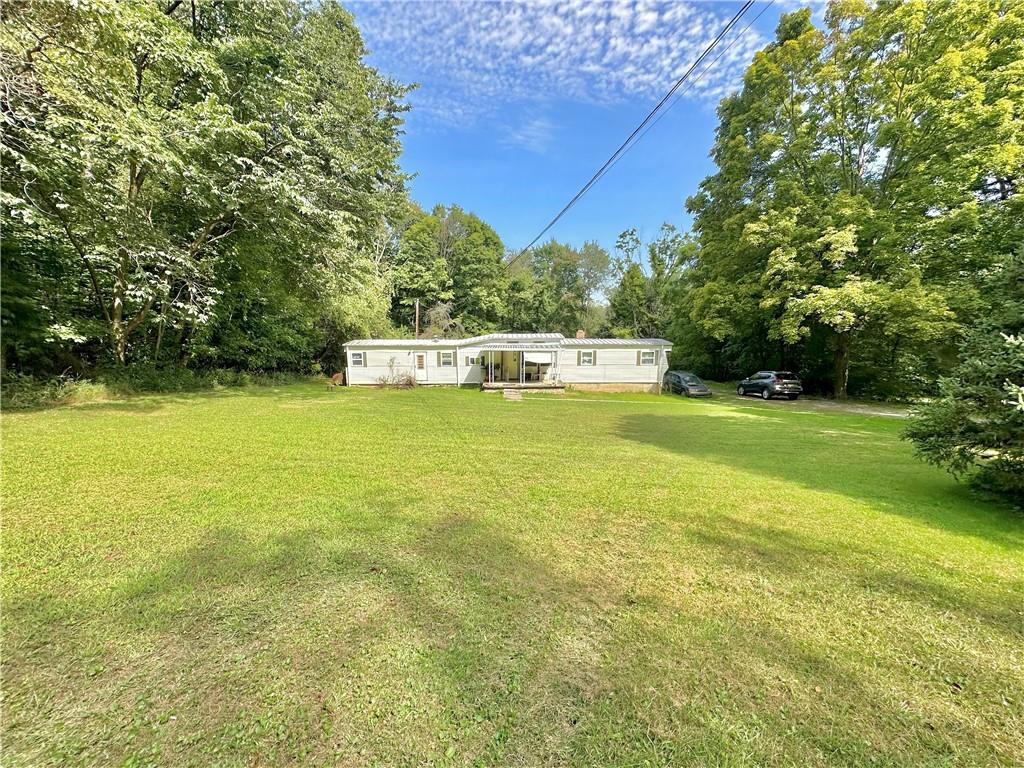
{"x": 685, "y": 383}
{"x": 768, "y": 384}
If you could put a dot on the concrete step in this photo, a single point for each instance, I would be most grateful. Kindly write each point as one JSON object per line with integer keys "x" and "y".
{"x": 512, "y": 394}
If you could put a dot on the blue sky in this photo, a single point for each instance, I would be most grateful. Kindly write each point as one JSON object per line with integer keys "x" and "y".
{"x": 519, "y": 103}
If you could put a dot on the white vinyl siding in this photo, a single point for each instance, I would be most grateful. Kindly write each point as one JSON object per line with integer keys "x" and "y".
{"x": 441, "y": 367}
{"x": 365, "y": 366}
{"x": 613, "y": 365}
{"x": 381, "y": 362}
{"x": 471, "y": 373}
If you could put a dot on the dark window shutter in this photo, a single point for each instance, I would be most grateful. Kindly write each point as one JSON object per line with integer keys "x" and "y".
{"x": 594, "y": 357}
{"x": 439, "y": 358}
{"x": 638, "y": 353}
{"x": 579, "y": 357}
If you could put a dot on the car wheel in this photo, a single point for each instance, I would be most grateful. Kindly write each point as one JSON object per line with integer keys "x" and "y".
{"x": 741, "y": 391}
{"x": 792, "y": 397}
{"x": 766, "y": 395}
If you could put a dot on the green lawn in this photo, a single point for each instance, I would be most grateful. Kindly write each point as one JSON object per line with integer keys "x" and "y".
{"x": 356, "y": 577}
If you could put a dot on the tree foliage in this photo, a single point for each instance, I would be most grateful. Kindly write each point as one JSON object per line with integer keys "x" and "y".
{"x": 977, "y": 422}
{"x": 162, "y": 156}
{"x": 849, "y": 163}
{"x": 640, "y": 305}
{"x": 449, "y": 257}
{"x": 568, "y": 283}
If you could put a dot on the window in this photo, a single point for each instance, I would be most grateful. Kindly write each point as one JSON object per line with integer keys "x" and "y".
{"x": 587, "y": 358}
{"x": 647, "y": 357}
{"x": 359, "y": 358}
{"x": 470, "y": 360}
{"x": 446, "y": 359}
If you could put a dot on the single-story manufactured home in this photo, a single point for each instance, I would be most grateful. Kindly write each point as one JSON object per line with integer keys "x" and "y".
{"x": 512, "y": 360}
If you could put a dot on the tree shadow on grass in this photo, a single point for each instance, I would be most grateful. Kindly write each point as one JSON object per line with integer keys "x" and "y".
{"x": 305, "y": 646}
{"x": 852, "y": 463}
{"x": 761, "y": 549}
{"x": 442, "y": 639}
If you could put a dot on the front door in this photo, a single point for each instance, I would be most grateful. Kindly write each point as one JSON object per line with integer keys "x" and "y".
{"x": 420, "y": 365}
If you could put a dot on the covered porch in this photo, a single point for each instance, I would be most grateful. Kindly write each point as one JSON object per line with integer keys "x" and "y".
{"x": 520, "y": 366}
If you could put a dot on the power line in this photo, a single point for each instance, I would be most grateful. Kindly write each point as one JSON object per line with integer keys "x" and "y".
{"x": 625, "y": 145}
{"x": 689, "y": 85}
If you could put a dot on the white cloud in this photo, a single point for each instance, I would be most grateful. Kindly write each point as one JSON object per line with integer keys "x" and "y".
{"x": 473, "y": 58}
{"x": 534, "y": 134}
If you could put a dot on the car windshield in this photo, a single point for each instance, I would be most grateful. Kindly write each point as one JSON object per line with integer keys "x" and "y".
{"x": 786, "y": 376}
{"x": 691, "y": 379}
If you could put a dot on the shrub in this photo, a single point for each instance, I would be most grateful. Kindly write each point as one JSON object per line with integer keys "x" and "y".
{"x": 396, "y": 379}
{"x": 18, "y": 391}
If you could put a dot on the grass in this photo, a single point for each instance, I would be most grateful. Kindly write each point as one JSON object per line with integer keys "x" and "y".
{"x": 438, "y": 577}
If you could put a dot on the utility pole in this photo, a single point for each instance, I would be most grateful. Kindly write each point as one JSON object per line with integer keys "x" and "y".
{"x": 417, "y": 318}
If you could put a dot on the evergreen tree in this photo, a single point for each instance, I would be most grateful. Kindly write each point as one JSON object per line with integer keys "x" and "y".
{"x": 977, "y": 422}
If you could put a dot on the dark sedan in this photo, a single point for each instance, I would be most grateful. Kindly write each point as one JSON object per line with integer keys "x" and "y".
{"x": 769, "y": 384}
{"x": 685, "y": 383}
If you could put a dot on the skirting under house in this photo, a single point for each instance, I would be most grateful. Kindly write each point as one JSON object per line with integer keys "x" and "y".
{"x": 512, "y": 360}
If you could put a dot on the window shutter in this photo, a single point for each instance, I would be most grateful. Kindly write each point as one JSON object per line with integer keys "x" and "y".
{"x": 594, "y": 357}
{"x": 638, "y": 353}
{"x": 579, "y": 357}
{"x": 439, "y": 358}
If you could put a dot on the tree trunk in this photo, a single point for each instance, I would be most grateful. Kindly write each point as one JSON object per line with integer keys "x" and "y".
{"x": 186, "y": 332}
{"x": 118, "y": 332}
{"x": 159, "y": 338}
{"x": 842, "y": 364}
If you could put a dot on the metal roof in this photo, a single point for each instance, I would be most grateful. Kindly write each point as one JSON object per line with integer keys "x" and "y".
{"x": 513, "y": 337}
{"x": 470, "y": 341}
{"x": 588, "y": 342}
{"x": 404, "y": 343}
{"x": 524, "y": 346}
{"x": 514, "y": 340}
